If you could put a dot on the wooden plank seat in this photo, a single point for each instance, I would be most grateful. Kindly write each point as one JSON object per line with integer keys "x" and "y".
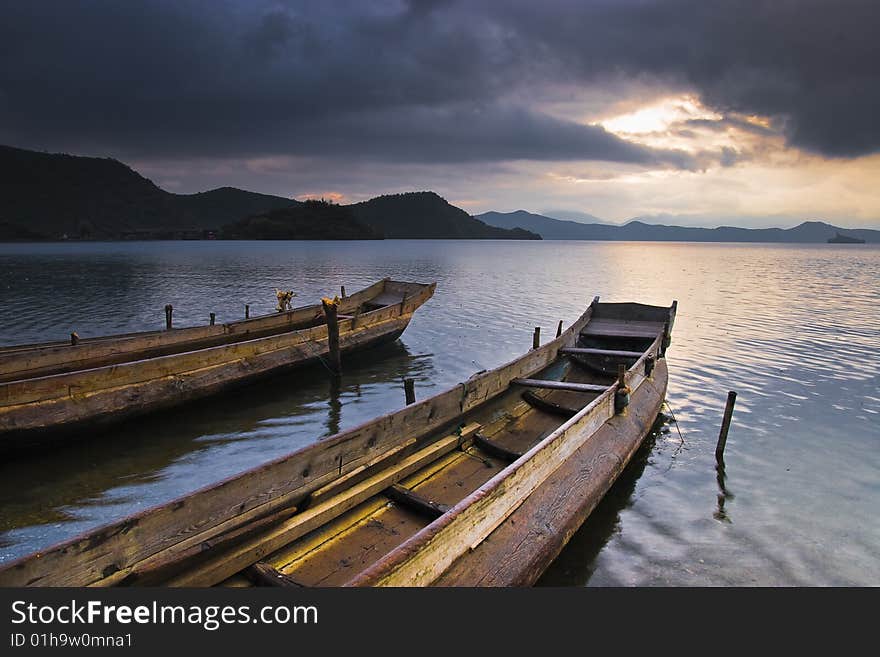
{"x": 559, "y": 385}
{"x": 623, "y": 329}
{"x": 589, "y": 351}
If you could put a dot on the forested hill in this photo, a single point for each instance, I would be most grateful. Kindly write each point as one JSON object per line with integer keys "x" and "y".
{"x": 425, "y": 215}
{"x": 310, "y": 220}
{"x": 47, "y": 196}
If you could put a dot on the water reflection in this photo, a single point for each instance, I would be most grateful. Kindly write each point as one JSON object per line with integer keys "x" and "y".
{"x": 723, "y": 493}
{"x": 604, "y": 522}
{"x": 334, "y": 404}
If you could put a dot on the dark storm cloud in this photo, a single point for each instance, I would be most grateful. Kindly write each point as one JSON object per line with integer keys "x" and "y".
{"x": 811, "y": 65}
{"x": 421, "y": 81}
{"x": 469, "y": 133}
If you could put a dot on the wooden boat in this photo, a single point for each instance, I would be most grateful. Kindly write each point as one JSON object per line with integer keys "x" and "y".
{"x": 482, "y": 484}
{"x": 54, "y": 386}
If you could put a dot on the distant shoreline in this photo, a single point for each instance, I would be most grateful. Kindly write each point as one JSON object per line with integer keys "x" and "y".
{"x": 550, "y": 228}
{"x": 442, "y": 239}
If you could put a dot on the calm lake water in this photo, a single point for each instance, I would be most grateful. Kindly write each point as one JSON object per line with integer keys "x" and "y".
{"x": 795, "y": 330}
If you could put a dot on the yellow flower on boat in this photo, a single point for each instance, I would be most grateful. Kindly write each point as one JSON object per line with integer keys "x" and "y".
{"x": 330, "y": 302}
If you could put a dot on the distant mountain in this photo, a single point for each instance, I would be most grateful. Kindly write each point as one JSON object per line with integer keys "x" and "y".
{"x": 806, "y": 232}
{"x": 58, "y": 196}
{"x": 50, "y": 195}
{"x": 311, "y": 220}
{"x": 636, "y": 230}
{"x": 547, "y": 227}
{"x": 573, "y": 215}
{"x": 425, "y": 215}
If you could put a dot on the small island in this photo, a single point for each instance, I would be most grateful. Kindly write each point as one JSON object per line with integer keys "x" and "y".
{"x": 844, "y": 239}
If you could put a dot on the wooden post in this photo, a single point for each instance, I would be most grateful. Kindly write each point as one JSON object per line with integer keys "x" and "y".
{"x": 343, "y": 291}
{"x": 536, "y": 338}
{"x": 409, "y": 388}
{"x": 335, "y": 362}
{"x": 725, "y": 427}
{"x": 213, "y": 318}
{"x": 247, "y": 311}
{"x": 559, "y": 329}
{"x": 74, "y": 339}
{"x": 168, "y": 310}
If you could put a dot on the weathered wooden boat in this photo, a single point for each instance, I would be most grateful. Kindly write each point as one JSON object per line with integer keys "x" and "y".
{"x": 53, "y": 386}
{"x": 482, "y": 484}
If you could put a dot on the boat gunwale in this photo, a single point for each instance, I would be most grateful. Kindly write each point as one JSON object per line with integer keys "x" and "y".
{"x": 124, "y": 337}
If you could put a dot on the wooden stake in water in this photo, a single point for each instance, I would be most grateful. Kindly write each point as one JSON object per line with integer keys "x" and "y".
{"x": 409, "y": 388}
{"x": 247, "y": 311}
{"x": 342, "y": 289}
{"x": 168, "y": 310}
{"x": 559, "y": 329}
{"x": 335, "y": 361}
{"x": 725, "y": 427}
{"x": 536, "y": 339}
{"x": 213, "y": 318}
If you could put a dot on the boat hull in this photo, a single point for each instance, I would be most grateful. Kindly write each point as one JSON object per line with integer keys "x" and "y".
{"x": 37, "y": 410}
{"x": 35, "y": 360}
{"x": 100, "y": 412}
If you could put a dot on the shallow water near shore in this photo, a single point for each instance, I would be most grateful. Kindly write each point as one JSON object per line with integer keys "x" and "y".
{"x": 794, "y": 329}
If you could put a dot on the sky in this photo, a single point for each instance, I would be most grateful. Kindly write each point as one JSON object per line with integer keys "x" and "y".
{"x": 696, "y": 112}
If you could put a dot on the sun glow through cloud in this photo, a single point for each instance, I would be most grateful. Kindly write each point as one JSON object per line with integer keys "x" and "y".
{"x": 659, "y": 116}
{"x": 683, "y": 123}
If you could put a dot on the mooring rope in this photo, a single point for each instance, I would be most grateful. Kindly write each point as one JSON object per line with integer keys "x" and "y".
{"x": 316, "y": 353}
{"x": 677, "y": 427}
